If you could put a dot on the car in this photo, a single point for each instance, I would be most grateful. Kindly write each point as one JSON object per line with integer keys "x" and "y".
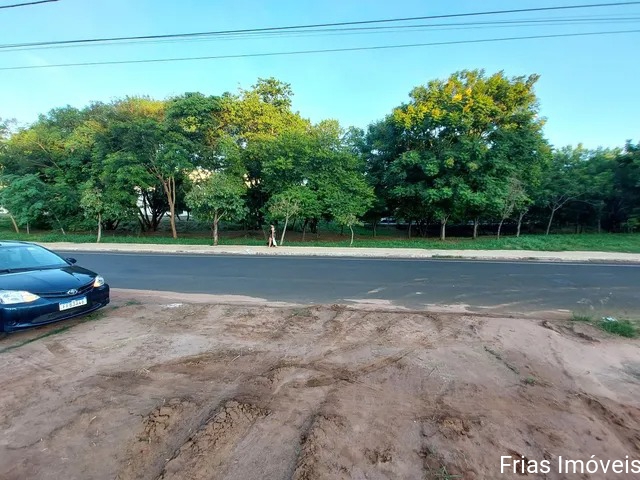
{"x": 38, "y": 286}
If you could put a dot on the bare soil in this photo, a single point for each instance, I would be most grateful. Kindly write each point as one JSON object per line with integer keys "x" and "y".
{"x": 190, "y": 387}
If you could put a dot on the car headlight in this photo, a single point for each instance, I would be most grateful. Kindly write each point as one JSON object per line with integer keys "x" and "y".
{"x": 98, "y": 282}
{"x": 8, "y": 297}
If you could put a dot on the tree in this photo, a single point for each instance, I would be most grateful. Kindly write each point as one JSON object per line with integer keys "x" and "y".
{"x": 274, "y": 92}
{"x": 218, "y": 197}
{"x": 310, "y": 207}
{"x": 513, "y": 196}
{"x": 63, "y": 205}
{"x": 287, "y": 205}
{"x": 142, "y": 143}
{"x": 347, "y": 199}
{"x": 595, "y": 184}
{"x": 261, "y": 135}
{"x": 560, "y": 184}
{"x": 25, "y": 198}
{"x": 5, "y": 131}
{"x": 93, "y": 205}
{"x": 101, "y": 201}
{"x": 627, "y": 183}
{"x": 383, "y": 144}
{"x": 456, "y": 139}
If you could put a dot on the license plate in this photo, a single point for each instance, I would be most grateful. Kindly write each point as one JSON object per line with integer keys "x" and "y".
{"x": 77, "y": 302}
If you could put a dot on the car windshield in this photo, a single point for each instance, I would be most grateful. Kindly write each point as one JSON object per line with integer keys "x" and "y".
{"x": 28, "y": 257}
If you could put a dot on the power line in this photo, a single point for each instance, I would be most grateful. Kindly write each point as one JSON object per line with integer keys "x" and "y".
{"x": 319, "y": 25}
{"x": 305, "y": 52}
{"x": 15, "y": 5}
{"x": 557, "y": 21}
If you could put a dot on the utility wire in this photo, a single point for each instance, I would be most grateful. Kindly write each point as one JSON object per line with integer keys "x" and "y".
{"x": 15, "y": 5}
{"x": 379, "y": 29}
{"x": 305, "y": 52}
{"x": 319, "y": 25}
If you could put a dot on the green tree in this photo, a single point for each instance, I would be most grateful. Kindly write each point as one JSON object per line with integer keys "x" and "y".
{"x": 457, "y": 144}
{"x": 274, "y": 92}
{"x": 286, "y": 206}
{"x": 383, "y": 144}
{"x": 347, "y": 199}
{"x": 627, "y": 188}
{"x": 560, "y": 184}
{"x": 100, "y": 202}
{"x": 139, "y": 143}
{"x": 25, "y": 198}
{"x": 260, "y": 136}
{"x": 595, "y": 186}
{"x": 513, "y": 198}
{"x": 218, "y": 197}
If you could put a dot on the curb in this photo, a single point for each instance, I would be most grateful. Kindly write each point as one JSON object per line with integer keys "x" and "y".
{"x": 354, "y": 252}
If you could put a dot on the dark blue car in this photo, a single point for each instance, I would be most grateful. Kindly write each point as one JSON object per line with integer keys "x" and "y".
{"x": 38, "y": 287}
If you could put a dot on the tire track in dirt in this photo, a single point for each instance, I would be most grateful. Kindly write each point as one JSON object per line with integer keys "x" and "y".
{"x": 618, "y": 423}
{"x": 204, "y": 455}
{"x": 317, "y": 442}
{"x": 316, "y": 393}
{"x": 158, "y": 438}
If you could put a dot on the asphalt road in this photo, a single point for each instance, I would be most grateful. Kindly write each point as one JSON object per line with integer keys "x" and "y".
{"x": 514, "y": 286}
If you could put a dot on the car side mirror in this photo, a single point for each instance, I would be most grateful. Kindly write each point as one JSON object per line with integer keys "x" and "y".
{"x": 71, "y": 261}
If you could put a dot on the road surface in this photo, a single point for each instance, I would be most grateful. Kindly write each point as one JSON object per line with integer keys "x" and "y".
{"x": 514, "y": 286}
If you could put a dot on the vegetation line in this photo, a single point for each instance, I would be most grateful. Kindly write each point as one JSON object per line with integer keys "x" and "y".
{"x": 465, "y": 156}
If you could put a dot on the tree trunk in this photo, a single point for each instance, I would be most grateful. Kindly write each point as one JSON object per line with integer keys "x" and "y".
{"x": 172, "y": 207}
{"x": 284, "y": 230}
{"x": 99, "y": 228}
{"x": 475, "y": 227}
{"x": 500, "y": 226}
{"x": 304, "y": 228}
{"x": 28, "y": 230}
{"x": 143, "y": 212}
{"x": 15, "y": 225}
{"x": 172, "y": 211}
{"x": 520, "y": 217}
{"x": 599, "y": 223}
{"x": 216, "y": 219}
{"x": 425, "y": 229}
{"x": 60, "y": 224}
{"x": 553, "y": 211}
{"x": 443, "y": 228}
{"x": 410, "y": 225}
{"x": 351, "y": 228}
{"x": 375, "y": 225}
{"x": 169, "y": 186}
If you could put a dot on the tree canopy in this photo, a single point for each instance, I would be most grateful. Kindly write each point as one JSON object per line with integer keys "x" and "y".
{"x": 466, "y": 150}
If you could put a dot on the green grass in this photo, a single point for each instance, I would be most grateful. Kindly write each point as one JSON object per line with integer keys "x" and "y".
{"x": 622, "y": 327}
{"x": 581, "y": 318}
{"x": 443, "y": 474}
{"x": 329, "y": 236}
{"x": 625, "y": 243}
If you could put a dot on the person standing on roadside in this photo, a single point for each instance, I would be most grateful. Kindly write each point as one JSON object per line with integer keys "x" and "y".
{"x": 272, "y": 236}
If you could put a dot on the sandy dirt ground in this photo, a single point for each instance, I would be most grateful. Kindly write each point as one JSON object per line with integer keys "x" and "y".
{"x": 192, "y": 387}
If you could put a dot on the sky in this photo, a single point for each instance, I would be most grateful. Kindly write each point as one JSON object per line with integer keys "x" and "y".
{"x": 587, "y": 89}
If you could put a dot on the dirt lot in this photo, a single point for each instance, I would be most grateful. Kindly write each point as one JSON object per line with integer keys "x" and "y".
{"x": 182, "y": 387}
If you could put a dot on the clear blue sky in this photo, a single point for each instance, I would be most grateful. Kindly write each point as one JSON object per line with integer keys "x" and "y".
{"x": 588, "y": 88}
